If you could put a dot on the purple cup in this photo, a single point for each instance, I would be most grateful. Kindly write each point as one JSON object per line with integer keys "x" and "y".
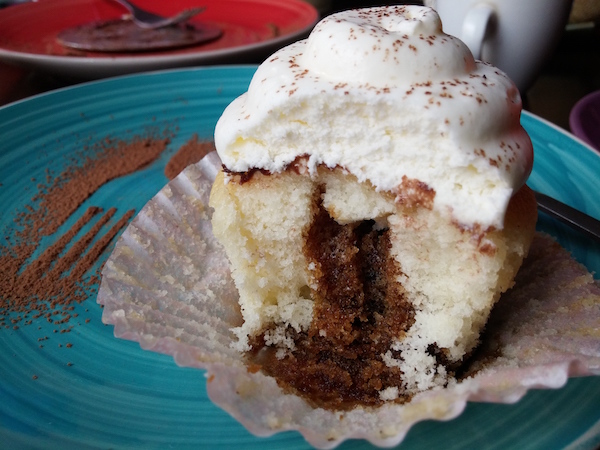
{"x": 584, "y": 119}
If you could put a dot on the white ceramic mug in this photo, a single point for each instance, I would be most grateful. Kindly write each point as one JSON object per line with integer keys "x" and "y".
{"x": 516, "y": 36}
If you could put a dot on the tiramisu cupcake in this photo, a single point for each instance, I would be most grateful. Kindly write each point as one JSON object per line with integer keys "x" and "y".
{"x": 372, "y": 205}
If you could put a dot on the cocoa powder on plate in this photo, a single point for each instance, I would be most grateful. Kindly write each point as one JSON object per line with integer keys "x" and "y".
{"x": 189, "y": 153}
{"x": 46, "y": 285}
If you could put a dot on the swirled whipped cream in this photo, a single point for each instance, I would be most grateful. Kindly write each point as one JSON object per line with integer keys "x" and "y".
{"x": 385, "y": 94}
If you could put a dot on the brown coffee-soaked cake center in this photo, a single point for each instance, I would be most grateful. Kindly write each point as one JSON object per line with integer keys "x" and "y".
{"x": 360, "y": 310}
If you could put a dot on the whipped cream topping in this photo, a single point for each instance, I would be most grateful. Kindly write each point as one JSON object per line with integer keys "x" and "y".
{"x": 385, "y": 94}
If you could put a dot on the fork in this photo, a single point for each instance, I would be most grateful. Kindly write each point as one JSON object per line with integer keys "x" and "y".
{"x": 148, "y": 20}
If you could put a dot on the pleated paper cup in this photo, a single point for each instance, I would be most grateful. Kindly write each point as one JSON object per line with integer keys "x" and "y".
{"x": 167, "y": 286}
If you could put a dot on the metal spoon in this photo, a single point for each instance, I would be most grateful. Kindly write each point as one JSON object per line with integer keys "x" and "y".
{"x": 576, "y": 219}
{"x": 148, "y": 20}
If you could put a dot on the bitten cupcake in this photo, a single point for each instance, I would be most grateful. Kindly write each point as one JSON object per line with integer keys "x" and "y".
{"x": 372, "y": 205}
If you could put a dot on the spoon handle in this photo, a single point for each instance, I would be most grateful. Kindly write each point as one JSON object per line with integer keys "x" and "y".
{"x": 139, "y": 13}
{"x": 580, "y": 221}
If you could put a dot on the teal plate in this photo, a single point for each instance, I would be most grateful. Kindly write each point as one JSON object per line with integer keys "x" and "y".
{"x": 103, "y": 392}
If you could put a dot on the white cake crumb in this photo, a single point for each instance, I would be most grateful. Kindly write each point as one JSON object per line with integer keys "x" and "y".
{"x": 390, "y": 393}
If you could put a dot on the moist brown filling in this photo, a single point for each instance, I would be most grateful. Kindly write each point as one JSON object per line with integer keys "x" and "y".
{"x": 359, "y": 311}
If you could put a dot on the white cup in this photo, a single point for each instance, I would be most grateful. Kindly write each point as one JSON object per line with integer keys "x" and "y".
{"x": 517, "y": 36}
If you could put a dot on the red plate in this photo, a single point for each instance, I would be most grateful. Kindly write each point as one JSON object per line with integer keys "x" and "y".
{"x": 251, "y": 29}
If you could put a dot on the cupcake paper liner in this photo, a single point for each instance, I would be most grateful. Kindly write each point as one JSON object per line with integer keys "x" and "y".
{"x": 167, "y": 286}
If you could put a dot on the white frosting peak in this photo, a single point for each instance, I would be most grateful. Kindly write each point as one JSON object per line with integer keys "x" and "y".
{"x": 384, "y": 93}
{"x": 385, "y": 47}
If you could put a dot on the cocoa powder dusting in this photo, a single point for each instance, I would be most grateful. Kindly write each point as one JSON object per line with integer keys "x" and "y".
{"x": 191, "y": 152}
{"x": 47, "y": 284}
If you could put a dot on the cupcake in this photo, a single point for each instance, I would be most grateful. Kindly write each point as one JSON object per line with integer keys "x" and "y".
{"x": 373, "y": 207}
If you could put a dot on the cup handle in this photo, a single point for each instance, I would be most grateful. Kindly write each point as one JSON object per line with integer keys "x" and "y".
{"x": 475, "y": 26}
